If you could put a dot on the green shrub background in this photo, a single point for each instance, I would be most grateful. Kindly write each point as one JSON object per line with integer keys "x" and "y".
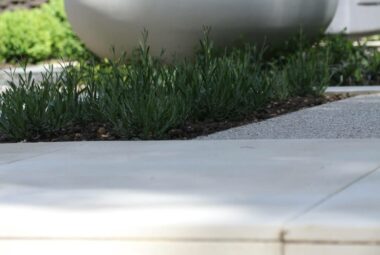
{"x": 38, "y": 34}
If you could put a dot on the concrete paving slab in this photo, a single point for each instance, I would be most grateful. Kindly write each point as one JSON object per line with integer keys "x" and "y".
{"x": 356, "y": 117}
{"x": 328, "y": 222}
{"x": 331, "y": 249}
{"x": 21, "y": 151}
{"x": 172, "y": 194}
{"x": 119, "y": 247}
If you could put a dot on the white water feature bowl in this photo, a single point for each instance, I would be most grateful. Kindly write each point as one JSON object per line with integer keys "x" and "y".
{"x": 177, "y": 25}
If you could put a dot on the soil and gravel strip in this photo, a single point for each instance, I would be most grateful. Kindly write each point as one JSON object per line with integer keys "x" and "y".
{"x": 99, "y": 131}
{"x": 357, "y": 117}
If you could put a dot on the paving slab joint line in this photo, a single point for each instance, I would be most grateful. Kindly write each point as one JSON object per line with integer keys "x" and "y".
{"x": 31, "y": 157}
{"x": 282, "y": 242}
{"x": 328, "y": 197}
{"x": 324, "y": 242}
{"x": 132, "y": 239}
{"x": 329, "y": 243}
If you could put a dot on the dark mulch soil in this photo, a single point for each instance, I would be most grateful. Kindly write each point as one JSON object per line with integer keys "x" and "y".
{"x": 101, "y": 132}
{"x": 9, "y": 5}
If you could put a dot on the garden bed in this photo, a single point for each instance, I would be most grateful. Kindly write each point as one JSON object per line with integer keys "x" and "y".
{"x": 189, "y": 130}
{"x": 145, "y": 98}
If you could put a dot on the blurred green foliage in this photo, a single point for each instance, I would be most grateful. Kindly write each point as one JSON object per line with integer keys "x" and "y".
{"x": 38, "y": 34}
{"x": 352, "y": 62}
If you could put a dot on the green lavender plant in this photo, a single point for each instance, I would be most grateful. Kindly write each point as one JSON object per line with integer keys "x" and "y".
{"x": 143, "y": 97}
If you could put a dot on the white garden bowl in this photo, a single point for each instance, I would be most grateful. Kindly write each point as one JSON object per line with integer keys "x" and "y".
{"x": 177, "y": 25}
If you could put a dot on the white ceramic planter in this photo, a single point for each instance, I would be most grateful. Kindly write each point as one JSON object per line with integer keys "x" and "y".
{"x": 356, "y": 17}
{"x": 176, "y": 25}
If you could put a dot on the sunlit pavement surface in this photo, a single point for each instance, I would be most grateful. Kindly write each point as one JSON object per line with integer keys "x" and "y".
{"x": 237, "y": 197}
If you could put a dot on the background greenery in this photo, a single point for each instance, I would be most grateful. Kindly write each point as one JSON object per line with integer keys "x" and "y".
{"x": 38, "y": 34}
{"x": 43, "y": 33}
{"x": 353, "y": 62}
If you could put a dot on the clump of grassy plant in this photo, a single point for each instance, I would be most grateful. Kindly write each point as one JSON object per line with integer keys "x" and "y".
{"x": 227, "y": 85}
{"x": 143, "y": 99}
{"x": 30, "y": 110}
{"x": 307, "y": 72}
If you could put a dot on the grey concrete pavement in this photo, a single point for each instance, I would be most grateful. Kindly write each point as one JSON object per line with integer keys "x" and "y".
{"x": 195, "y": 197}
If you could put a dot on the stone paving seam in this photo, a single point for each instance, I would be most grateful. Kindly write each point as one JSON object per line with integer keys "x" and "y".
{"x": 324, "y": 242}
{"x": 130, "y": 239}
{"x": 30, "y": 157}
{"x": 328, "y": 197}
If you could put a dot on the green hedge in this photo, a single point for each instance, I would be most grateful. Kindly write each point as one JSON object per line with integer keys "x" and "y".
{"x": 37, "y": 34}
